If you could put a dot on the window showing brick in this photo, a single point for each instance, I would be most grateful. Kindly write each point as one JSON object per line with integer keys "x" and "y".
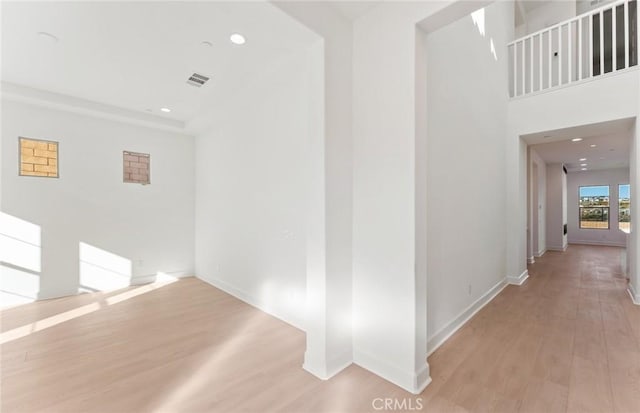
{"x": 38, "y": 158}
{"x": 136, "y": 168}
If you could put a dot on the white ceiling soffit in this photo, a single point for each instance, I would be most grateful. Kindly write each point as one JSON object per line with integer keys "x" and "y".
{"x": 530, "y": 5}
{"x": 18, "y": 93}
{"x": 138, "y": 56}
{"x": 353, "y": 10}
{"x": 451, "y": 12}
{"x": 524, "y": 7}
{"x": 611, "y": 139}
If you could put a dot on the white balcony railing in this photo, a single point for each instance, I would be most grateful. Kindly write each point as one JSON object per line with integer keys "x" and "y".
{"x": 596, "y": 43}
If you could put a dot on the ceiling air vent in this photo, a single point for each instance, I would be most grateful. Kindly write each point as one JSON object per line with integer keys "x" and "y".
{"x": 197, "y": 80}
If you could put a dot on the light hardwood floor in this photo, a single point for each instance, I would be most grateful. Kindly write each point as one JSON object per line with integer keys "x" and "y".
{"x": 566, "y": 340}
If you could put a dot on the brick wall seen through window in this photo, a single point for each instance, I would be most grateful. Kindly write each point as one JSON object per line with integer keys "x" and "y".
{"x": 136, "y": 168}
{"x": 38, "y": 158}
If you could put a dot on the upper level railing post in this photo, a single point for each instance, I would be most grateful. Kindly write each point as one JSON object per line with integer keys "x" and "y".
{"x": 614, "y": 43}
{"x": 591, "y": 36}
{"x": 531, "y": 42}
{"x": 601, "y": 32}
{"x": 540, "y": 86}
{"x": 579, "y": 77}
{"x": 524, "y": 76}
{"x": 569, "y": 52}
{"x": 626, "y": 35}
{"x": 550, "y": 80}
{"x": 560, "y": 55}
{"x": 514, "y": 71}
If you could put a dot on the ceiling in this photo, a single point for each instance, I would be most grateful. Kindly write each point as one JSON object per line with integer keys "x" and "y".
{"x": 612, "y": 140}
{"x": 139, "y": 55}
{"x": 353, "y": 9}
{"x": 530, "y": 5}
{"x": 523, "y": 7}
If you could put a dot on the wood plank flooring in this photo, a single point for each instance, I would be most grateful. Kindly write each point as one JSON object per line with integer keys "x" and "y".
{"x": 565, "y": 341}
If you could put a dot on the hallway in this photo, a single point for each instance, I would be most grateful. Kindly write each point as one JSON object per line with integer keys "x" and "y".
{"x": 566, "y": 340}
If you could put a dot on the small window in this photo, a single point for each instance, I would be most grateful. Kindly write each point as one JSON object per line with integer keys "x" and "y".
{"x": 38, "y": 158}
{"x": 594, "y": 207}
{"x": 624, "y": 207}
{"x": 136, "y": 168}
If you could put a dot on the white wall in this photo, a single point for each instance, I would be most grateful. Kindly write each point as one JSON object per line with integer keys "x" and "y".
{"x": 556, "y": 207}
{"x": 150, "y": 225}
{"x": 466, "y": 121}
{"x": 537, "y": 202}
{"x": 251, "y": 202}
{"x": 389, "y": 303}
{"x": 610, "y": 177}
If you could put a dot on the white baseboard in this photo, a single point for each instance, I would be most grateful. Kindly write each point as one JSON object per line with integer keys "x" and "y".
{"x": 138, "y": 280}
{"x": 447, "y": 331}
{"x": 602, "y": 243}
{"x": 253, "y": 301}
{"x": 531, "y": 260}
{"x": 540, "y": 253}
{"x": 328, "y": 369}
{"x": 58, "y": 294}
{"x": 413, "y": 382}
{"x": 149, "y": 278}
{"x": 559, "y": 249}
{"x": 635, "y": 297}
{"x": 519, "y": 280}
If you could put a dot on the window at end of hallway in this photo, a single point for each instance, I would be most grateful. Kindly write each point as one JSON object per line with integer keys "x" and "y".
{"x": 38, "y": 158}
{"x": 624, "y": 211}
{"x": 594, "y": 207}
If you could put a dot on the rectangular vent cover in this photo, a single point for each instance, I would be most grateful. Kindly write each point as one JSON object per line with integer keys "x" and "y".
{"x": 197, "y": 80}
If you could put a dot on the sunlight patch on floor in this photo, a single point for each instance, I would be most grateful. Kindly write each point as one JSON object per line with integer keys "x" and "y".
{"x": 197, "y": 381}
{"x": 52, "y": 321}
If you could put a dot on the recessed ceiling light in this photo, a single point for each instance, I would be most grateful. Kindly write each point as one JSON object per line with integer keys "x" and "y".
{"x": 583, "y": 159}
{"x": 593, "y": 145}
{"x": 206, "y": 43}
{"x": 165, "y": 110}
{"x": 237, "y": 38}
{"x": 583, "y": 169}
{"x": 48, "y": 37}
{"x": 576, "y": 139}
{"x": 583, "y": 164}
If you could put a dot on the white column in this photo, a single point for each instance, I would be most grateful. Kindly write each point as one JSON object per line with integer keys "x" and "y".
{"x": 516, "y": 219}
{"x": 389, "y": 295}
{"x": 329, "y": 299}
